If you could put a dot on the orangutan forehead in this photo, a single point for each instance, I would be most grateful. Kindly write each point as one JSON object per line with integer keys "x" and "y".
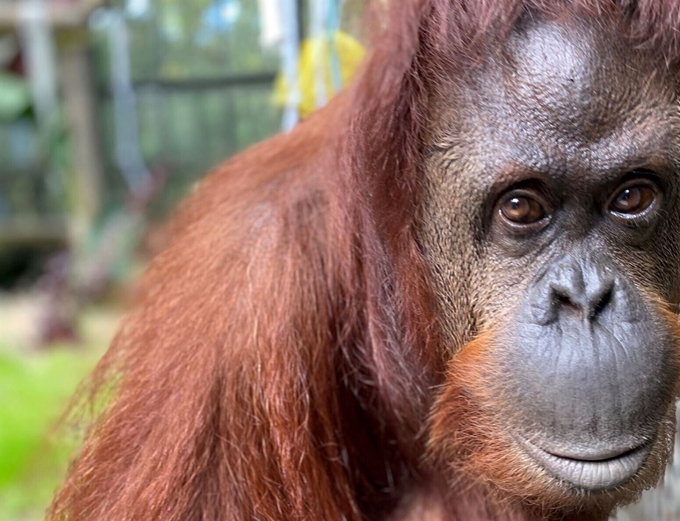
{"x": 576, "y": 81}
{"x": 476, "y": 27}
{"x": 582, "y": 60}
{"x": 564, "y": 96}
{"x": 583, "y": 79}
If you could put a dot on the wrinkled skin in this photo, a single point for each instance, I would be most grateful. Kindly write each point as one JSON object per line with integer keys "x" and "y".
{"x": 579, "y": 128}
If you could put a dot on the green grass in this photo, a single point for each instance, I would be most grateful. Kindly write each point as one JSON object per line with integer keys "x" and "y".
{"x": 34, "y": 391}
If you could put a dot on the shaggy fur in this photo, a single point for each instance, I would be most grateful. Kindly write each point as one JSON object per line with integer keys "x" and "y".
{"x": 280, "y": 363}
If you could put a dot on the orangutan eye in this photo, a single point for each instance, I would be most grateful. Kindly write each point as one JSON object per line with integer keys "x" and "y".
{"x": 523, "y": 208}
{"x": 634, "y": 200}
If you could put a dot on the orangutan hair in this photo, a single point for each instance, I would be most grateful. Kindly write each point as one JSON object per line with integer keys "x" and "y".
{"x": 289, "y": 351}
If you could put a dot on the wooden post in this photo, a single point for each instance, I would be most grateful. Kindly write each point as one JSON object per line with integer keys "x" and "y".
{"x": 68, "y": 22}
{"x": 80, "y": 103}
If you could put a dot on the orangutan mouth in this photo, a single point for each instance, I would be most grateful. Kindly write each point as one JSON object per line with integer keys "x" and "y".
{"x": 591, "y": 472}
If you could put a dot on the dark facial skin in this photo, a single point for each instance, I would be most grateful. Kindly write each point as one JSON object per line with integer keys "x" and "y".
{"x": 558, "y": 161}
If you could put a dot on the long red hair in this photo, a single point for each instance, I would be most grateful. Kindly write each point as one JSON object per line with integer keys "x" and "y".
{"x": 280, "y": 362}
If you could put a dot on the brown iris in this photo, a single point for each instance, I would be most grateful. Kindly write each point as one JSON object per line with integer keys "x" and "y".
{"x": 633, "y": 200}
{"x": 522, "y": 209}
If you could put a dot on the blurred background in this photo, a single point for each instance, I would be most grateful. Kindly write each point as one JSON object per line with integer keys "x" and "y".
{"x": 109, "y": 113}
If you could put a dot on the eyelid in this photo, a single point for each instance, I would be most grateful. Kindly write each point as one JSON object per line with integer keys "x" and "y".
{"x": 645, "y": 179}
{"x": 521, "y": 191}
{"x": 636, "y": 177}
{"x": 518, "y": 228}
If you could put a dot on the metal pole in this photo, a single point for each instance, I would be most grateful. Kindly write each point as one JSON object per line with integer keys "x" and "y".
{"x": 301, "y": 20}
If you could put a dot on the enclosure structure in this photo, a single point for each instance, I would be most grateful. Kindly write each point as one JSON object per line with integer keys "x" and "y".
{"x": 198, "y": 86}
{"x": 53, "y": 53}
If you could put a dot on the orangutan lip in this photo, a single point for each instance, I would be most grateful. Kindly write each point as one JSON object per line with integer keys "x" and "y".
{"x": 591, "y": 472}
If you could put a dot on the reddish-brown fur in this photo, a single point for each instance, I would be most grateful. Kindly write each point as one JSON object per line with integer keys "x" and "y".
{"x": 482, "y": 451}
{"x": 281, "y": 362}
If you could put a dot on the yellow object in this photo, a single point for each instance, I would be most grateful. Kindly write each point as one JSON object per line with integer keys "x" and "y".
{"x": 316, "y": 70}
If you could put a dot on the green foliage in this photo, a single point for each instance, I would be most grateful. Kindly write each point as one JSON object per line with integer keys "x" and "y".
{"x": 33, "y": 391}
{"x": 15, "y": 96}
{"x": 173, "y": 44}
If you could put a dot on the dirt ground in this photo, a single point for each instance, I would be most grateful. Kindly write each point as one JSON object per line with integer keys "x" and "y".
{"x": 20, "y": 316}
